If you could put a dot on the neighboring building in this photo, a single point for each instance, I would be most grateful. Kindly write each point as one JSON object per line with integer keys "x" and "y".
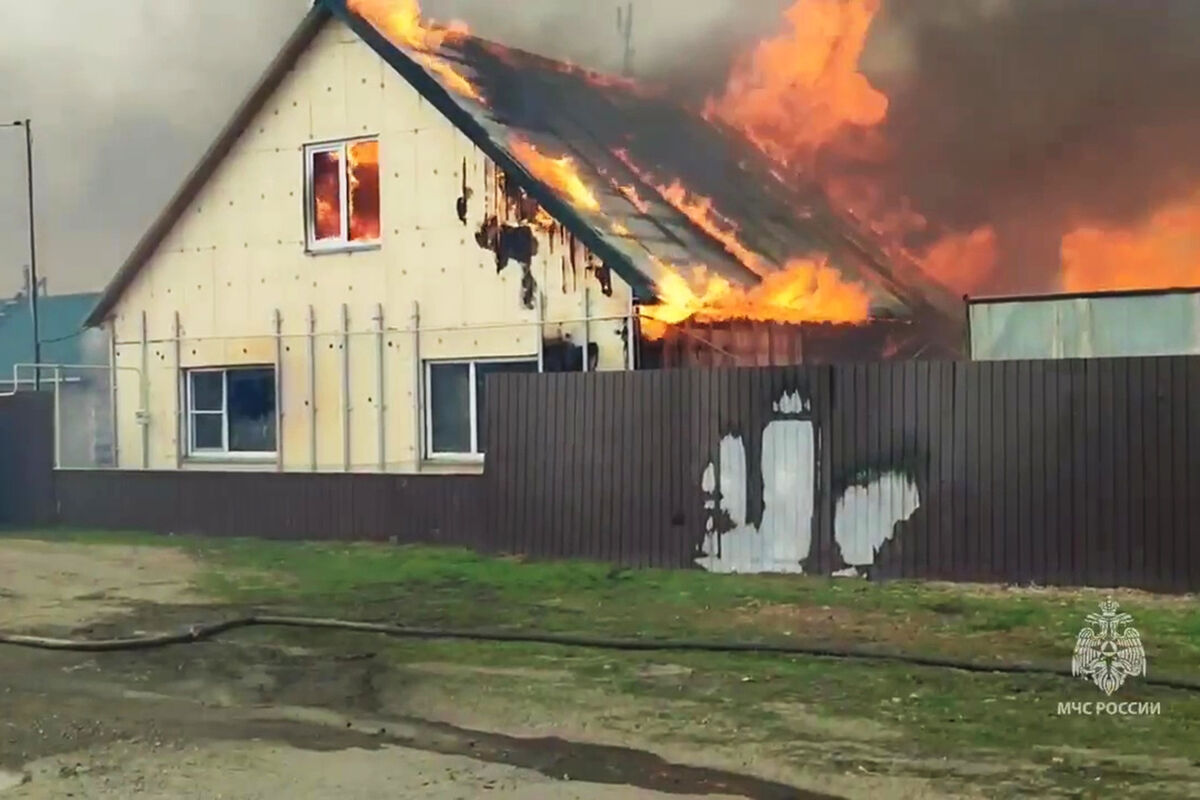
{"x": 1090, "y": 325}
{"x": 60, "y": 323}
{"x": 75, "y": 367}
{"x": 362, "y": 246}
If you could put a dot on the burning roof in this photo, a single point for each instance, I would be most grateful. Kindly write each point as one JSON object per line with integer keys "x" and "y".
{"x": 684, "y": 208}
{"x": 679, "y": 202}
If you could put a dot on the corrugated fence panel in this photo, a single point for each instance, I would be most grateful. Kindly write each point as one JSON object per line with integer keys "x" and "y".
{"x": 438, "y": 510}
{"x": 1046, "y": 472}
{"x": 27, "y": 459}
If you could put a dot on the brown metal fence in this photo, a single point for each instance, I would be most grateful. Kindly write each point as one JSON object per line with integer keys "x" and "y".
{"x": 440, "y": 510}
{"x": 1050, "y": 472}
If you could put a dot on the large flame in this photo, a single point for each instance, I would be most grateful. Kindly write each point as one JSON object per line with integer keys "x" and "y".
{"x": 798, "y": 90}
{"x": 363, "y": 191}
{"x": 400, "y": 21}
{"x": 964, "y": 261}
{"x": 1162, "y": 252}
{"x": 807, "y": 290}
{"x": 801, "y": 91}
{"x": 560, "y": 173}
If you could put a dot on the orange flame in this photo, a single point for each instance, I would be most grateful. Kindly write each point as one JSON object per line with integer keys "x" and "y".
{"x": 559, "y": 173}
{"x": 631, "y": 194}
{"x": 963, "y": 261}
{"x": 701, "y": 212}
{"x": 798, "y": 90}
{"x": 807, "y": 290}
{"x": 1162, "y": 252}
{"x": 801, "y": 91}
{"x": 326, "y": 195}
{"x": 363, "y": 190}
{"x": 400, "y": 21}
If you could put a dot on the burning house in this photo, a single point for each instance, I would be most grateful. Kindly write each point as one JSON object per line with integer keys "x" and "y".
{"x": 399, "y": 209}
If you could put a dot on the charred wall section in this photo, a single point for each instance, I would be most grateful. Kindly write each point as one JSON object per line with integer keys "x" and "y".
{"x": 743, "y": 343}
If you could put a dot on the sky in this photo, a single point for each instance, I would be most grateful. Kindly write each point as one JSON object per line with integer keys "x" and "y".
{"x": 126, "y": 94}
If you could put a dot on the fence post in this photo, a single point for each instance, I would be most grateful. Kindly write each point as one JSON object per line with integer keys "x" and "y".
{"x": 111, "y": 327}
{"x": 312, "y": 388}
{"x": 587, "y": 325}
{"x": 541, "y": 331}
{"x": 144, "y": 391}
{"x": 345, "y": 388}
{"x": 418, "y": 391}
{"x": 380, "y": 388}
{"x": 179, "y": 413}
{"x": 57, "y": 415}
{"x": 278, "y": 391}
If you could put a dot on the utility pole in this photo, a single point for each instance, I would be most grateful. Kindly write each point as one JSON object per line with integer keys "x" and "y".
{"x": 33, "y": 275}
{"x": 625, "y": 29}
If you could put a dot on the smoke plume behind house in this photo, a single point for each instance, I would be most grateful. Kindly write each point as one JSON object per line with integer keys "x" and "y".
{"x": 1036, "y": 140}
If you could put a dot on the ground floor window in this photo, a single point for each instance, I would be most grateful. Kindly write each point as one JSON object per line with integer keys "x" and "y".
{"x": 231, "y": 411}
{"x": 456, "y": 402}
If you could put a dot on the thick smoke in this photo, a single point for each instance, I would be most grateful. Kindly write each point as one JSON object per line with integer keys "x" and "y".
{"x": 1031, "y": 116}
{"x": 686, "y": 44}
{"x": 1039, "y": 115}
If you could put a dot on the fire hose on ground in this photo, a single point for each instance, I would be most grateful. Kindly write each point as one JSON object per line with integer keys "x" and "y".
{"x": 200, "y": 633}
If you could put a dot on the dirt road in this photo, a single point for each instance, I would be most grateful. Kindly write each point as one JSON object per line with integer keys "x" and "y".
{"x": 281, "y": 712}
{"x": 251, "y": 718}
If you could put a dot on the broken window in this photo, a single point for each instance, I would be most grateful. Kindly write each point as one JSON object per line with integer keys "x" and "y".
{"x": 455, "y": 417}
{"x": 342, "y": 195}
{"x": 231, "y": 411}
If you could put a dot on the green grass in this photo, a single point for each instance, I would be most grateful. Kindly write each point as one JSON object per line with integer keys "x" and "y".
{"x": 931, "y": 714}
{"x": 458, "y": 588}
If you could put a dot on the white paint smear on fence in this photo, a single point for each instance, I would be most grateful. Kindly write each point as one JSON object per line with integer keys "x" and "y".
{"x": 865, "y": 517}
{"x": 784, "y": 537}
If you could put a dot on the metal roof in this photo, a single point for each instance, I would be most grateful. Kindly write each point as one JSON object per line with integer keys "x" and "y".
{"x": 59, "y": 323}
{"x": 1053, "y": 296}
{"x": 563, "y": 110}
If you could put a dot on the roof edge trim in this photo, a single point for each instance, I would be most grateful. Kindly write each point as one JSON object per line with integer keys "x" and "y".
{"x": 213, "y": 157}
{"x": 441, "y": 99}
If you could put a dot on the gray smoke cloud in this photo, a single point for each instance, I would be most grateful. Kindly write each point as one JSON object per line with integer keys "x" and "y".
{"x": 126, "y": 94}
{"x": 1035, "y": 115}
{"x": 1028, "y": 114}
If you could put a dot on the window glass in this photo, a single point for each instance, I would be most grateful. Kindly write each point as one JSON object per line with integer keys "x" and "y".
{"x": 482, "y": 370}
{"x": 326, "y": 192}
{"x": 363, "y": 169}
{"x": 208, "y": 391}
{"x": 450, "y": 408}
{"x": 208, "y": 432}
{"x": 251, "y": 413}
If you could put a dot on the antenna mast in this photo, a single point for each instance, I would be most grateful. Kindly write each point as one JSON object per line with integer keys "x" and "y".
{"x": 625, "y": 29}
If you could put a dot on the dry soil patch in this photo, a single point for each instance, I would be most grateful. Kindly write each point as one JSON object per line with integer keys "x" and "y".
{"x": 60, "y": 585}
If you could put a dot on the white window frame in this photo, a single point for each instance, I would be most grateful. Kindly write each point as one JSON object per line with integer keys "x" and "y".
{"x": 342, "y": 243}
{"x": 224, "y": 453}
{"x": 471, "y": 363}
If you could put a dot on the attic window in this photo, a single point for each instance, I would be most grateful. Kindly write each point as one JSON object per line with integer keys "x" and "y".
{"x": 342, "y": 194}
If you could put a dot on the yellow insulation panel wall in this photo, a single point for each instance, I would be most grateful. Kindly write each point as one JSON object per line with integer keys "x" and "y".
{"x": 237, "y": 257}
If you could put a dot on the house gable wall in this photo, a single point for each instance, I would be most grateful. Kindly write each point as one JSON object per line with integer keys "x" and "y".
{"x": 235, "y": 264}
